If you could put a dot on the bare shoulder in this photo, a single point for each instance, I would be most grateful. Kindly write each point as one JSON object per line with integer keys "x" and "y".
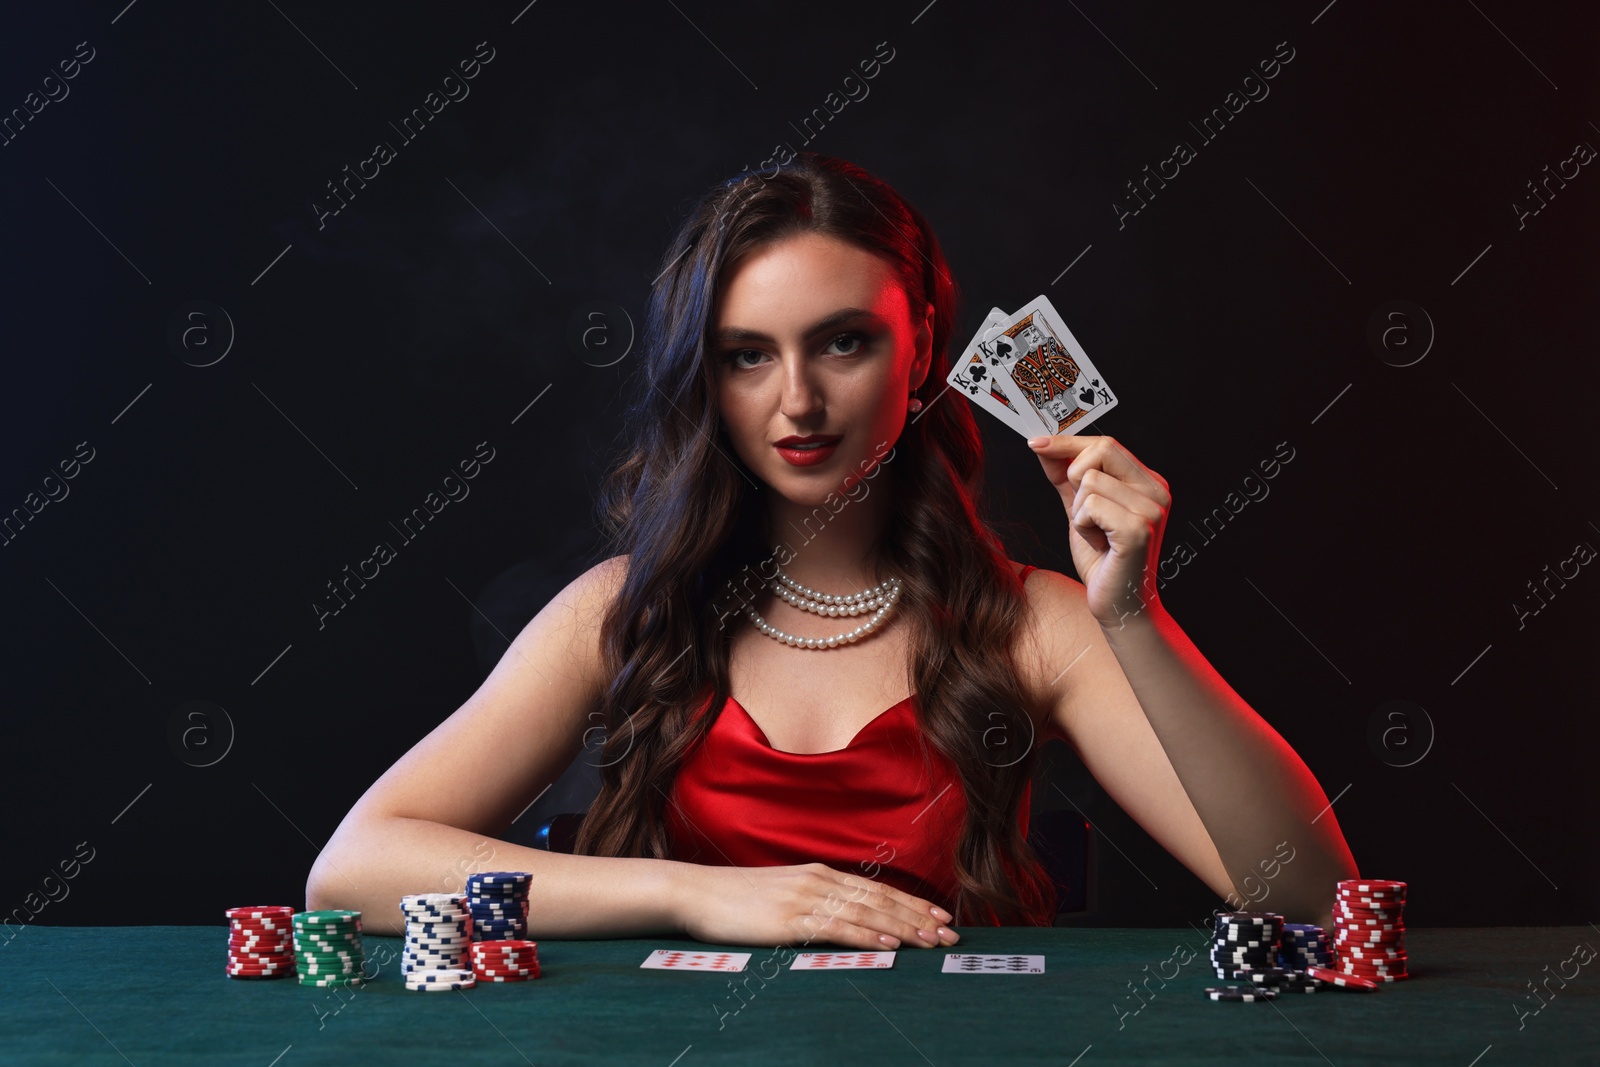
{"x": 1057, "y": 629}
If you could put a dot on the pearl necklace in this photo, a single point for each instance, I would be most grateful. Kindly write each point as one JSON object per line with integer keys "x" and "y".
{"x": 880, "y": 600}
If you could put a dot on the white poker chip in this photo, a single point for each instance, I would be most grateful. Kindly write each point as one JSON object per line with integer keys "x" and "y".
{"x": 440, "y": 980}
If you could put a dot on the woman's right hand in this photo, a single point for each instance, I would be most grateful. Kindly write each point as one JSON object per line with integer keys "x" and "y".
{"x": 805, "y": 903}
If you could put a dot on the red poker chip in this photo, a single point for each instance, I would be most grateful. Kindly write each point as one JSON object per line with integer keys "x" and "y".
{"x": 1371, "y": 885}
{"x": 509, "y": 978}
{"x": 1380, "y": 955}
{"x": 509, "y": 943}
{"x": 1389, "y": 940}
{"x": 1370, "y": 902}
{"x": 270, "y": 957}
{"x": 261, "y": 911}
{"x": 1361, "y": 909}
{"x": 1342, "y": 980}
{"x": 1372, "y": 889}
{"x": 1369, "y": 933}
{"x": 276, "y": 974}
{"x": 491, "y": 972}
{"x": 504, "y": 955}
{"x": 236, "y": 969}
{"x": 1376, "y": 976}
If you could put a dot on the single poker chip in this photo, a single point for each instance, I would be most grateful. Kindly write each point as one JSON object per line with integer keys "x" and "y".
{"x": 433, "y": 900}
{"x": 528, "y": 978}
{"x": 439, "y": 987}
{"x": 328, "y": 915}
{"x": 261, "y": 911}
{"x": 442, "y": 975}
{"x": 331, "y": 981}
{"x": 501, "y": 878}
{"x": 1384, "y": 955}
{"x": 1342, "y": 980}
{"x": 1243, "y": 994}
{"x": 1372, "y": 885}
{"x": 274, "y": 974}
{"x": 510, "y": 944}
{"x": 1262, "y": 975}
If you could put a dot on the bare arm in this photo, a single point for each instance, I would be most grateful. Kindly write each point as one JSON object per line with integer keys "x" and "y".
{"x": 428, "y": 822}
{"x": 1187, "y": 757}
{"x": 425, "y": 824}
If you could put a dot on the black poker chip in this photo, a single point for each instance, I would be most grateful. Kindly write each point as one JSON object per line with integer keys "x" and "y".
{"x": 1246, "y": 994}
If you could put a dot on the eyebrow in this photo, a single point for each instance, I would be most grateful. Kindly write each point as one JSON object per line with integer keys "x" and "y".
{"x": 734, "y": 334}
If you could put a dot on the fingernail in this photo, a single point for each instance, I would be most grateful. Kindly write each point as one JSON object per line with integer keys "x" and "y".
{"x": 932, "y": 939}
{"x": 892, "y": 942}
{"x": 942, "y": 915}
{"x": 954, "y": 937}
{"x": 1038, "y": 442}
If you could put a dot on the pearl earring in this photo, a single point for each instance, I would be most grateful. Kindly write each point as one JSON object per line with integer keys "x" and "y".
{"x": 914, "y": 406}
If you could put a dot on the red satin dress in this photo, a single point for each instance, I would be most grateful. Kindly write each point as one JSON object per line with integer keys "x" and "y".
{"x": 886, "y": 806}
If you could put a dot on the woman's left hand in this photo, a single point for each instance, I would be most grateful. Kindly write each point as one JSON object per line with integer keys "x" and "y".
{"x": 1117, "y": 509}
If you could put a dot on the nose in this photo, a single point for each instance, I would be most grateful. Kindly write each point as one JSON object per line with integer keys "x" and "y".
{"x": 801, "y": 398}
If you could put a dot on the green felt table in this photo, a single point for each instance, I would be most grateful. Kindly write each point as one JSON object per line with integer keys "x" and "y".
{"x": 158, "y": 995}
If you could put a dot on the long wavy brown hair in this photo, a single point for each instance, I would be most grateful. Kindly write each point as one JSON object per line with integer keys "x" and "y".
{"x": 679, "y": 504}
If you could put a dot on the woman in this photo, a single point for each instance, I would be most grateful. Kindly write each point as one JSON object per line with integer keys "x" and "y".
{"x": 868, "y": 786}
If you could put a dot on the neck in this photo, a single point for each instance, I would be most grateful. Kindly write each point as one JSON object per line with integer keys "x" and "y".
{"x": 834, "y": 545}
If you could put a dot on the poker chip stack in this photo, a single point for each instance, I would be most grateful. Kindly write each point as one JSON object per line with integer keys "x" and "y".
{"x": 499, "y": 903}
{"x": 1370, "y": 941}
{"x": 1244, "y": 946}
{"x": 505, "y": 961}
{"x": 1304, "y": 946}
{"x": 260, "y": 942}
{"x": 438, "y": 932}
{"x": 1245, "y": 940}
{"x": 327, "y": 948}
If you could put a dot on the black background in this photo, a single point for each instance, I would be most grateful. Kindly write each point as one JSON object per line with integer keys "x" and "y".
{"x": 1232, "y": 314}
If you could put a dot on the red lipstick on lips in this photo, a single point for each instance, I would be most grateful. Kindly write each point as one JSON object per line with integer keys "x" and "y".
{"x": 794, "y": 449}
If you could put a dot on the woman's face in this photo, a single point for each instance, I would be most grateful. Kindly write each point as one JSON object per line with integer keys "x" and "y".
{"x": 813, "y": 335}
